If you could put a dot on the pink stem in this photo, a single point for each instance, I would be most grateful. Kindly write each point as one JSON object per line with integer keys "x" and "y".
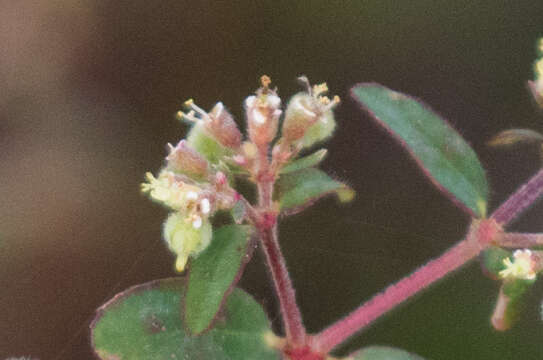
{"x": 395, "y": 294}
{"x": 520, "y": 240}
{"x": 525, "y": 196}
{"x": 292, "y": 318}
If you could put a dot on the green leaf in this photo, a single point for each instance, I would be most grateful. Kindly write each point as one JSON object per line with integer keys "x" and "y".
{"x": 144, "y": 322}
{"x": 214, "y": 273}
{"x": 305, "y": 162}
{"x": 440, "y": 151}
{"x": 383, "y": 353}
{"x": 301, "y": 188}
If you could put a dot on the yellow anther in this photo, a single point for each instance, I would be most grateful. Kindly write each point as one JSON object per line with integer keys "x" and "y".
{"x": 325, "y": 100}
{"x": 320, "y": 89}
{"x": 189, "y": 103}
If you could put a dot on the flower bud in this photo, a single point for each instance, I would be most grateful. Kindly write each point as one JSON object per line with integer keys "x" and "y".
{"x": 262, "y": 117}
{"x": 202, "y": 141}
{"x": 299, "y": 116}
{"x": 184, "y": 159}
{"x": 222, "y": 126}
{"x": 263, "y": 111}
{"x": 309, "y": 118}
{"x": 212, "y": 135}
{"x": 184, "y": 239}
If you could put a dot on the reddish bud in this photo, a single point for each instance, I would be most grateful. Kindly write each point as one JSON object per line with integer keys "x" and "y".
{"x": 302, "y": 112}
{"x": 262, "y": 117}
{"x": 222, "y": 126}
{"x": 182, "y": 158}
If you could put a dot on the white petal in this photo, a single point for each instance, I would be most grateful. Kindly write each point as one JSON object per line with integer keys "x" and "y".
{"x": 249, "y": 102}
{"x": 192, "y": 195}
{"x": 274, "y": 101}
{"x": 197, "y": 222}
{"x": 205, "y": 206}
{"x": 258, "y": 117}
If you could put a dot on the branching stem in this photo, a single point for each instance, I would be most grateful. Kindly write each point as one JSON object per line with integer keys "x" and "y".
{"x": 467, "y": 249}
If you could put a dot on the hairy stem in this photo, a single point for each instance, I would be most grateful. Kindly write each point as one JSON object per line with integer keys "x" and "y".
{"x": 292, "y": 317}
{"x": 267, "y": 227}
{"x": 520, "y": 240}
{"x": 525, "y": 196}
{"x": 436, "y": 269}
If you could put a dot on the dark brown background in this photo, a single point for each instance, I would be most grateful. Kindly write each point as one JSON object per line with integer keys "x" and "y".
{"x": 88, "y": 90}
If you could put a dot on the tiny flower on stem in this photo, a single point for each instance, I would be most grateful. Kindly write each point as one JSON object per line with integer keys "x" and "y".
{"x": 187, "y": 199}
{"x": 523, "y": 266}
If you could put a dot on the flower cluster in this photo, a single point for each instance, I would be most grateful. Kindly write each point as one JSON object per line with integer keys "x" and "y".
{"x": 194, "y": 183}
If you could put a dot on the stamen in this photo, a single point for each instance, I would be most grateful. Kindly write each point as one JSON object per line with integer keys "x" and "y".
{"x": 320, "y": 89}
{"x": 190, "y": 103}
{"x": 190, "y": 116}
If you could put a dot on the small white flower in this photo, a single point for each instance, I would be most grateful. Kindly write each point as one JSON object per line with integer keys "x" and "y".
{"x": 523, "y": 266}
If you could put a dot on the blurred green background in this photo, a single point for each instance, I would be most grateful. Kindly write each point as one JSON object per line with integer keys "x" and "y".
{"x": 87, "y": 96}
